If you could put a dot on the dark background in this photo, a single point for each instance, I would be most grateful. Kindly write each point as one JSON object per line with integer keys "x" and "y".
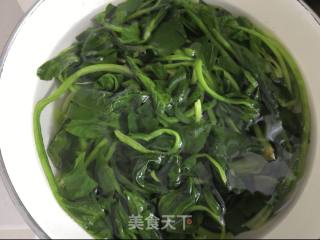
{"x": 315, "y": 4}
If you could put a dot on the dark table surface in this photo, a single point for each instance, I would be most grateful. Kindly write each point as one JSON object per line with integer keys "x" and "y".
{"x": 315, "y": 5}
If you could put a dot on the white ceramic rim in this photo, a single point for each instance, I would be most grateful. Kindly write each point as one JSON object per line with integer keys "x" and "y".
{"x": 34, "y": 226}
{"x": 3, "y": 172}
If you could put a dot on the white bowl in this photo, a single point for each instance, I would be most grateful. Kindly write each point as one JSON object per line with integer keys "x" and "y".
{"x": 51, "y": 26}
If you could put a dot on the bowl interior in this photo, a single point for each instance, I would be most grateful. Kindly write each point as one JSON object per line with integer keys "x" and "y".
{"x": 42, "y": 35}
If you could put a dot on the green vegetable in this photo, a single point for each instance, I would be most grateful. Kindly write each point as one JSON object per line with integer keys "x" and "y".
{"x": 174, "y": 108}
{"x": 77, "y": 184}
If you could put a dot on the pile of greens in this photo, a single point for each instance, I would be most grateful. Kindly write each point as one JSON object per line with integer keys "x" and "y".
{"x": 174, "y": 107}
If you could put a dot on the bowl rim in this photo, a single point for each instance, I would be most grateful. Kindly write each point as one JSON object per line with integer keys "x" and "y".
{"x": 4, "y": 176}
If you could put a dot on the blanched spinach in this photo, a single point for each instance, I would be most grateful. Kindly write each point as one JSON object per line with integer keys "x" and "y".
{"x": 174, "y": 107}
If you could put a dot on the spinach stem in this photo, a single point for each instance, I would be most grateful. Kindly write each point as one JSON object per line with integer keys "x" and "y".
{"x": 40, "y": 106}
{"x": 253, "y": 82}
{"x": 268, "y": 150}
{"x": 130, "y": 140}
{"x": 66, "y": 103}
{"x": 132, "y": 143}
{"x": 96, "y": 151}
{"x": 147, "y": 137}
{"x": 211, "y": 92}
{"x": 232, "y": 125}
{"x": 222, "y": 40}
{"x": 176, "y": 57}
{"x": 212, "y": 214}
{"x": 144, "y": 11}
{"x": 153, "y": 24}
{"x": 154, "y": 176}
{"x": 216, "y": 164}
{"x": 180, "y": 64}
{"x": 229, "y": 77}
{"x": 276, "y": 51}
{"x": 216, "y": 38}
{"x": 111, "y": 151}
{"x": 198, "y": 111}
{"x": 190, "y": 113}
{"x": 306, "y": 132}
{"x": 212, "y": 117}
{"x": 112, "y": 27}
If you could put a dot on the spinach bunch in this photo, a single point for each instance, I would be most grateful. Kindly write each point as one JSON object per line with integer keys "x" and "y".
{"x": 174, "y": 107}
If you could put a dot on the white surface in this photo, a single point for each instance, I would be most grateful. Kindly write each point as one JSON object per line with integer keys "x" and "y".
{"x": 16, "y": 233}
{"x": 11, "y": 223}
{"x": 19, "y": 85}
{"x": 26, "y": 4}
{"x": 9, "y": 218}
{"x": 10, "y": 14}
